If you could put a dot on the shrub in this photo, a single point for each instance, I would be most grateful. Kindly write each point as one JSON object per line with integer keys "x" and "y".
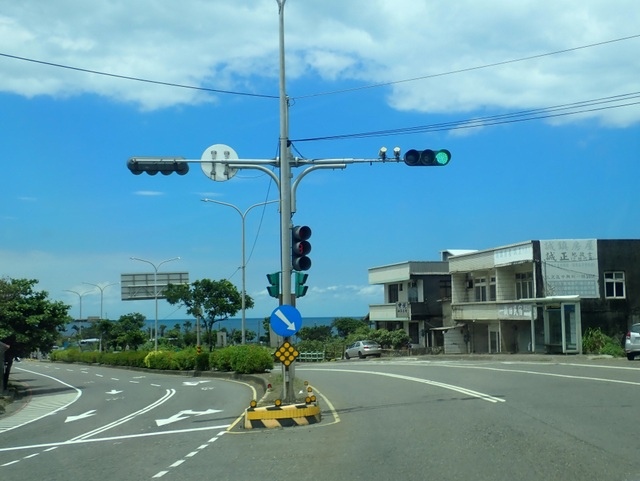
{"x": 203, "y": 361}
{"x": 158, "y": 360}
{"x": 595, "y": 341}
{"x": 220, "y": 359}
{"x": 184, "y": 360}
{"x": 251, "y": 359}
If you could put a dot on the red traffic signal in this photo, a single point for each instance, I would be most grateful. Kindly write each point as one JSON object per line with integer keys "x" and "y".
{"x": 300, "y": 247}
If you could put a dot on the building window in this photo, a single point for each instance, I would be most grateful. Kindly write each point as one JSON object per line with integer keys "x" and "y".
{"x": 413, "y": 291}
{"x": 445, "y": 288}
{"x": 492, "y": 288}
{"x": 614, "y": 285}
{"x": 524, "y": 285}
{"x": 393, "y": 293}
{"x": 480, "y": 288}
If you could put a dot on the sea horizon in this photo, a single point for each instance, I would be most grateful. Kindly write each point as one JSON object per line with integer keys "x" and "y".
{"x": 251, "y": 323}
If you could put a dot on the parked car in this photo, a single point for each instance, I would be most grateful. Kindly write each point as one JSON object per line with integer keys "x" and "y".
{"x": 363, "y": 349}
{"x": 632, "y": 342}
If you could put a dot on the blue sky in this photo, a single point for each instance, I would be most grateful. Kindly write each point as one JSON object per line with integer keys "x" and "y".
{"x": 71, "y": 213}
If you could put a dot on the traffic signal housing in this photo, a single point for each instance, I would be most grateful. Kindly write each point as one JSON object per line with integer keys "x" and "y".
{"x": 300, "y": 247}
{"x": 427, "y": 158}
{"x": 300, "y": 288}
{"x": 274, "y": 287}
{"x": 138, "y": 165}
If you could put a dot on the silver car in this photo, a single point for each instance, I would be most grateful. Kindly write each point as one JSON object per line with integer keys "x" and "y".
{"x": 363, "y": 349}
{"x": 632, "y": 342}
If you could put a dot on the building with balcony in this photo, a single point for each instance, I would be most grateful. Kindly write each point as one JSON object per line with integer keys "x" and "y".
{"x": 541, "y": 295}
{"x": 416, "y": 299}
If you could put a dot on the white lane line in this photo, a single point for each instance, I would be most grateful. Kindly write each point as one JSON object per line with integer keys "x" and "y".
{"x": 38, "y": 408}
{"x": 55, "y": 445}
{"x": 451, "y": 387}
{"x": 168, "y": 395}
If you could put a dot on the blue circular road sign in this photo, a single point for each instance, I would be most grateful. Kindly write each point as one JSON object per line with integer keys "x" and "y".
{"x": 285, "y": 320}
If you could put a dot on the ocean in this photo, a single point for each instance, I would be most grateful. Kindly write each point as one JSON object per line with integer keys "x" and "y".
{"x": 251, "y": 324}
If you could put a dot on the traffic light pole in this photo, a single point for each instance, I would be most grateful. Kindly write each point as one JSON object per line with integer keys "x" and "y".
{"x": 220, "y": 163}
{"x": 288, "y": 372}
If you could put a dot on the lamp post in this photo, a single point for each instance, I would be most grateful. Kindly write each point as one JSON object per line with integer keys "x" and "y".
{"x": 155, "y": 290}
{"x": 102, "y": 288}
{"x": 243, "y": 216}
{"x": 80, "y": 296}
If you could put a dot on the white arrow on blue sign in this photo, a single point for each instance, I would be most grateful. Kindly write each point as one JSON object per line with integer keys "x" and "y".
{"x": 286, "y": 320}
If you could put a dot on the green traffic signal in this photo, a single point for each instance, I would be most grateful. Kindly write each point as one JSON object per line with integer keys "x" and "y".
{"x": 300, "y": 288}
{"x": 427, "y": 158}
{"x": 274, "y": 288}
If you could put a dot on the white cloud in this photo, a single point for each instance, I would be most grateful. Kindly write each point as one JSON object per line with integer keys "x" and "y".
{"x": 148, "y": 193}
{"x": 234, "y": 46}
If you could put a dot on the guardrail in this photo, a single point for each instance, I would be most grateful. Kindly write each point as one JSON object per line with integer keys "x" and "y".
{"x": 311, "y": 357}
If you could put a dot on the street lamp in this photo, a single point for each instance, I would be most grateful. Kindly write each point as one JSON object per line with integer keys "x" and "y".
{"x": 155, "y": 289}
{"x": 80, "y": 296}
{"x": 102, "y": 288}
{"x": 244, "y": 263}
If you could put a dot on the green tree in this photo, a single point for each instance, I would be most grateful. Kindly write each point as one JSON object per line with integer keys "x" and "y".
{"x": 28, "y": 319}
{"x": 127, "y": 332}
{"x": 211, "y": 301}
{"x": 314, "y": 333}
{"x": 348, "y": 325}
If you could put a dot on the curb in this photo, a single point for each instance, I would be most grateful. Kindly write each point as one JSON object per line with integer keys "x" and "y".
{"x": 282, "y": 416}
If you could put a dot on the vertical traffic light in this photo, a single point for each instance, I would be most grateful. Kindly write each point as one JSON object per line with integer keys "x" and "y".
{"x": 300, "y": 288}
{"x": 300, "y": 247}
{"x": 274, "y": 288}
{"x": 427, "y": 158}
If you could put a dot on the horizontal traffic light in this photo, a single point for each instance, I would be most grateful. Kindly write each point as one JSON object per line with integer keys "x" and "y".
{"x": 427, "y": 158}
{"x": 154, "y": 165}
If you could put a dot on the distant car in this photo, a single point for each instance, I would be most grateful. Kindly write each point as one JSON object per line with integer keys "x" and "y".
{"x": 363, "y": 349}
{"x": 632, "y": 342}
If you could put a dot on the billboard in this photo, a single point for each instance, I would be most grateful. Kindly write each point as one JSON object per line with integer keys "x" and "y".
{"x": 570, "y": 267}
{"x": 135, "y": 287}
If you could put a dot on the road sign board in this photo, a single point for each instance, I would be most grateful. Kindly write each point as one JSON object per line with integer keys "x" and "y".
{"x": 286, "y": 320}
{"x": 214, "y": 169}
{"x": 287, "y": 354}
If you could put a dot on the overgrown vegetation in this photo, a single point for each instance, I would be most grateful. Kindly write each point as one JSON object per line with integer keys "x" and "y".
{"x": 594, "y": 341}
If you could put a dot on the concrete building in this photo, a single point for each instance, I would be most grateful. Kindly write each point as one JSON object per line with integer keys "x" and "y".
{"x": 534, "y": 296}
{"x": 416, "y": 299}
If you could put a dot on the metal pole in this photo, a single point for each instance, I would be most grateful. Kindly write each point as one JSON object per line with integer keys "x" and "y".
{"x": 288, "y": 373}
{"x": 244, "y": 262}
{"x": 102, "y": 288}
{"x": 155, "y": 290}
{"x": 80, "y": 296}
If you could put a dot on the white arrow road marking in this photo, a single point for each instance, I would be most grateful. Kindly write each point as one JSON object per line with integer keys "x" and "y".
{"x": 113, "y": 391}
{"x": 184, "y": 415}
{"x": 193, "y": 383}
{"x": 80, "y": 416}
{"x": 290, "y": 325}
{"x": 169, "y": 394}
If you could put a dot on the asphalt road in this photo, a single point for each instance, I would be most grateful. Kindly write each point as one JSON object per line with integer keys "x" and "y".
{"x": 409, "y": 419}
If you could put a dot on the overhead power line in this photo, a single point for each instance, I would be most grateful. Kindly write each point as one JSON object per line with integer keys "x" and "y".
{"x": 469, "y": 69}
{"x": 575, "y": 108}
{"x": 137, "y": 79}
{"x": 334, "y": 92}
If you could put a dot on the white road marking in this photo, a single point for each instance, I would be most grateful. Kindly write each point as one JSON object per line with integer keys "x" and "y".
{"x": 451, "y": 387}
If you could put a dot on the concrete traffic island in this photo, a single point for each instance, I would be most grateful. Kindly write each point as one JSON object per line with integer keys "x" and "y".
{"x": 275, "y": 414}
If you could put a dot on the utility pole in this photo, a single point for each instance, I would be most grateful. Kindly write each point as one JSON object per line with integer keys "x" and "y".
{"x": 220, "y": 163}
